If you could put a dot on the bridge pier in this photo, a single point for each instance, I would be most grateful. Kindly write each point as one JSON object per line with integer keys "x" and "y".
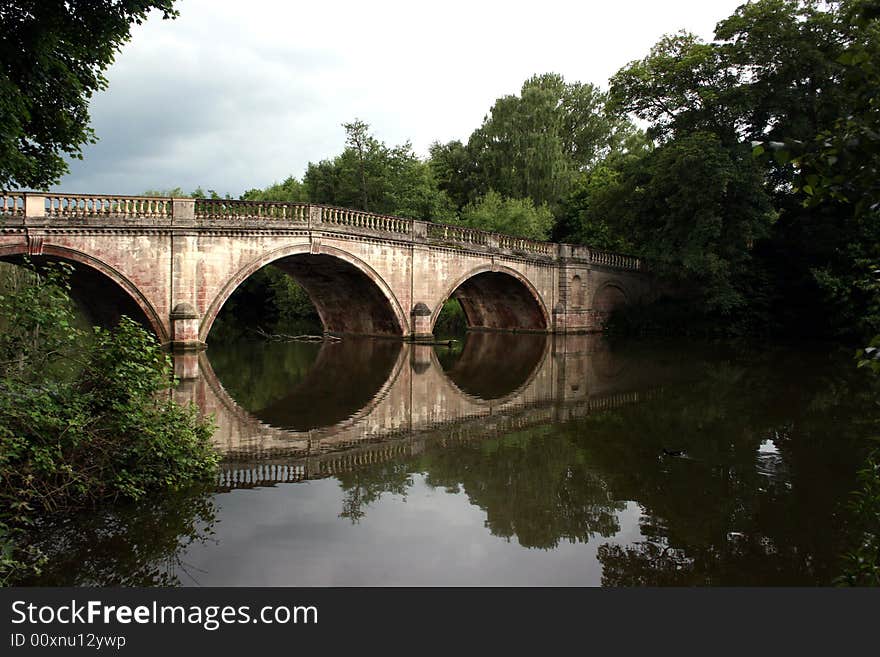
{"x": 422, "y": 330}
{"x": 185, "y": 329}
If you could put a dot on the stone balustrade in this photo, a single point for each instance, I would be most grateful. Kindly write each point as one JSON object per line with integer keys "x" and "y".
{"x": 212, "y": 212}
{"x": 458, "y": 234}
{"x": 368, "y": 220}
{"x": 224, "y": 209}
{"x": 606, "y": 258}
{"x": 522, "y": 244}
{"x": 12, "y": 204}
{"x": 84, "y": 206}
{"x": 247, "y": 470}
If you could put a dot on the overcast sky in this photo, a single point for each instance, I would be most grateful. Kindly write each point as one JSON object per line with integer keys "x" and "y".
{"x": 234, "y": 95}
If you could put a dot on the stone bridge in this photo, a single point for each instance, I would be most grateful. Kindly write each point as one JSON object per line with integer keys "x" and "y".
{"x": 173, "y": 262}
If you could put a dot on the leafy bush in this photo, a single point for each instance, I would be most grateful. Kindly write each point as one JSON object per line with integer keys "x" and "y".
{"x": 861, "y": 566}
{"x": 83, "y": 419}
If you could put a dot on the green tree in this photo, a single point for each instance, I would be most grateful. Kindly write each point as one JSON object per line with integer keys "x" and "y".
{"x": 372, "y": 176}
{"x": 532, "y": 145}
{"x": 455, "y": 171}
{"x": 838, "y": 176}
{"x": 519, "y": 149}
{"x": 290, "y": 190}
{"x": 771, "y": 72}
{"x": 52, "y": 59}
{"x": 679, "y": 87}
{"x": 358, "y": 139}
{"x": 693, "y": 207}
{"x": 777, "y": 73}
{"x": 587, "y": 213}
{"x": 586, "y": 210}
{"x": 512, "y": 216}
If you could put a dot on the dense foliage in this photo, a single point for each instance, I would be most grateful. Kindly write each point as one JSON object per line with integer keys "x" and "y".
{"x": 532, "y": 145}
{"x": 270, "y": 300}
{"x": 862, "y": 562}
{"x": 52, "y": 58}
{"x": 796, "y": 78}
{"x": 83, "y": 419}
{"x": 514, "y": 216}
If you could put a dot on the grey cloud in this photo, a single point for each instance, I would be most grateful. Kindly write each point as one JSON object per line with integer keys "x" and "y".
{"x": 237, "y": 95}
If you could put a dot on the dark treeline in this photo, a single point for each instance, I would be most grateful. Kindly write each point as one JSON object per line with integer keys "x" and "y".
{"x": 752, "y": 186}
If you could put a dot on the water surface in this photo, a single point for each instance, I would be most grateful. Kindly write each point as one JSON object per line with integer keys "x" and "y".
{"x": 506, "y": 459}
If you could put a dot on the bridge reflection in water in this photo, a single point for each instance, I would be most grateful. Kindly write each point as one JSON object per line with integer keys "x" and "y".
{"x": 512, "y": 459}
{"x": 365, "y": 401}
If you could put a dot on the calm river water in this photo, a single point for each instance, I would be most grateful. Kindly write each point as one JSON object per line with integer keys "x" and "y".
{"x": 503, "y": 460}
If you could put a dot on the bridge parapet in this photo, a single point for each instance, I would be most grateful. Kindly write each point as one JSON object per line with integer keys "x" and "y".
{"x": 12, "y": 204}
{"x": 213, "y": 212}
{"x": 458, "y": 234}
{"x": 368, "y": 220}
{"x": 84, "y": 206}
{"x": 523, "y": 244}
{"x": 607, "y": 258}
{"x": 227, "y": 210}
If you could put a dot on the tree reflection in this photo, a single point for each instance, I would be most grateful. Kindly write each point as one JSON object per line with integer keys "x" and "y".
{"x": 756, "y": 494}
{"x": 760, "y": 500}
{"x": 366, "y": 485}
{"x": 532, "y": 486}
{"x": 135, "y": 545}
{"x": 645, "y": 564}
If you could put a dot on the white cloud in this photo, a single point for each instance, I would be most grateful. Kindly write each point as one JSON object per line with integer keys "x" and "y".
{"x": 235, "y": 95}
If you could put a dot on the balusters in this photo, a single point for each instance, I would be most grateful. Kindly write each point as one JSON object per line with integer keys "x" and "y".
{"x": 214, "y": 209}
{"x": 12, "y": 204}
{"x": 365, "y": 220}
{"x": 82, "y": 206}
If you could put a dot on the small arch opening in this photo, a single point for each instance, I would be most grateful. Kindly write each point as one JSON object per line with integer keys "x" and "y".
{"x": 607, "y": 299}
{"x": 451, "y": 322}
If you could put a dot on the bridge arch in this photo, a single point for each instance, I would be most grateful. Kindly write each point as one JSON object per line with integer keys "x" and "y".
{"x": 610, "y": 296}
{"x": 96, "y": 281}
{"x": 349, "y": 295}
{"x": 495, "y": 297}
